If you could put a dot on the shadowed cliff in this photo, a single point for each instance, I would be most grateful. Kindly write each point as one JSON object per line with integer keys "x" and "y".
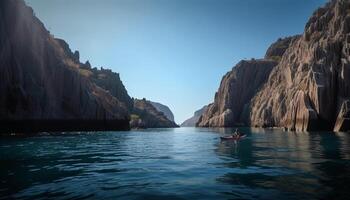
{"x": 45, "y": 87}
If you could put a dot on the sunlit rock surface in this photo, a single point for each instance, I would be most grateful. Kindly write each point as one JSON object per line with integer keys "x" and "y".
{"x": 236, "y": 89}
{"x": 309, "y": 87}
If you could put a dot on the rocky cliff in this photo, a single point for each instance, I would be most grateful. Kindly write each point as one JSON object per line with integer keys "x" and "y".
{"x": 41, "y": 79}
{"x": 145, "y": 115}
{"x": 235, "y": 92}
{"x": 277, "y": 49}
{"x": 111, "y": 82}
{"x": 164, "y": 109}
{"x": 310, "y": 88}
{"x": 191, "y": 122}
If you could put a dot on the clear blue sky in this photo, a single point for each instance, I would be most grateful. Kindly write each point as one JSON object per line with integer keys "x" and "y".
{"x": 172, "y": 51}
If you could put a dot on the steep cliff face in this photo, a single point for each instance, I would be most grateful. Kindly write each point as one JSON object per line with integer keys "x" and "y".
{"x": 236, "y": 89}
{"x": 41, "y": 79}
{"x": 277, "y": 49}
{"x": 191, "y": 122}
{"x": 310, "y": 87}
{"x": 145, "y": 115}
{"x": 164, "y": 109}
{"x": 110, "y": 81}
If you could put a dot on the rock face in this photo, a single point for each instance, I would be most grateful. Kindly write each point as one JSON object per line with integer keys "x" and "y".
{"x": 232, "y": 101}
{"x": 277, "y": 49}
{"x": 164, "y": 109}
{"x": 310, "y": 87}
{"x": 41, "y": 79}
{"x": 110, "y": 81}
{"x": 235, "y": 92}
{"x": 343, "y": 118}
{"x": 145, "y": 115}
{"x": 191, "y": 122}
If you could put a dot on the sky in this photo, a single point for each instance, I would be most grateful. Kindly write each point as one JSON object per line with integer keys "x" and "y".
{"x": 172, "y": 51}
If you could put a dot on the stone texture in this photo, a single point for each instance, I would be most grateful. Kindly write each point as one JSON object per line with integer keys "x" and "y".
{"x": 110, "y": 81}
{"x": 236, "y": 89}
{"x": 308, "y": 90}
{"x": 277, "y": 49}
{"x": 164, "y": 109}
{"x": 42, "y": 79}
{"x": 343, "y": 119}
{"x": 191, "y": 122}
{"x": 145, "y": 115}
{"x": 310, "y": 87}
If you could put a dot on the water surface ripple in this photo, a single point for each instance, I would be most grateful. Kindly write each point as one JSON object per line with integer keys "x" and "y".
{"x": 183, "y": 163}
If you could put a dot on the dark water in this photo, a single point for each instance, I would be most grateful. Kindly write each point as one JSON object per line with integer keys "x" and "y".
{"x": 185, "y": 163}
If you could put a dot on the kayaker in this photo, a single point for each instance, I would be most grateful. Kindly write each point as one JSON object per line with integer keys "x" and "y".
{"x": 236, "y": 134}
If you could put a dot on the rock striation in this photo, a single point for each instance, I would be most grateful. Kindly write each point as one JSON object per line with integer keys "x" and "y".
{"x": 277, "y": 49}
{"x": 235, "y": 92}
{"x": 164, "y": 109}
{"x": 43, "y": 80}
{"x": 191, "y": 122}
{"x": 45, "y": 87}
{"x": 145, "y": 115}
{"x": 310, "y": 87}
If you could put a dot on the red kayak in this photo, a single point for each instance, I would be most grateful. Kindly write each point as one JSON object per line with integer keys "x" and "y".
{"x": 231, "y": 137}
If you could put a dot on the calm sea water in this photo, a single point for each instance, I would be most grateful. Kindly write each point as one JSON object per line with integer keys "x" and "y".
{"x": 183, "y": 163}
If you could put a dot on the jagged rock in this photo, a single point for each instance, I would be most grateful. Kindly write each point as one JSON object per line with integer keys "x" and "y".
{"x": 87, "y": 65}
{"x": 277, "y": 49}
{"x": 236, "y": 89}
{"x": 76, "y": 56}
{"x": 164, "y": 109}
{"x": 307, "y": 89}
{"x": 145, "y": 115}
{"x": 191, "y": 122}
{"x": 110, "y": 81}
{"x": 68, "y": 52}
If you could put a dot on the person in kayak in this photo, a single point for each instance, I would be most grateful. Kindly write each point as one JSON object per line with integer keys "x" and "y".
{"x": 236, "y": 133}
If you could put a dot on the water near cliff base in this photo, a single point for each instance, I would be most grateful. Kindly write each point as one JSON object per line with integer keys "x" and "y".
{"x": 184, "y": 163}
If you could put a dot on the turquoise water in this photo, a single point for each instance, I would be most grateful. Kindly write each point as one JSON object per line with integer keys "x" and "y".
{"x": 183, "y": 163}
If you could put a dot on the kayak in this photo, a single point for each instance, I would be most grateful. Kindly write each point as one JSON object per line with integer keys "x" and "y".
{"x": 231, "y": 137}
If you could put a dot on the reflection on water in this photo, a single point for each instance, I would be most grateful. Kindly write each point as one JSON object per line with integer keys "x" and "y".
{"x": 307, "y": 165}
{"x": 182, "y": 163}
{"x": 334, "y": 171}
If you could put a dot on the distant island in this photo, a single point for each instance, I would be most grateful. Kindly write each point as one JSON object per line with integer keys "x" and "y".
{"x": 302, "y": 83}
